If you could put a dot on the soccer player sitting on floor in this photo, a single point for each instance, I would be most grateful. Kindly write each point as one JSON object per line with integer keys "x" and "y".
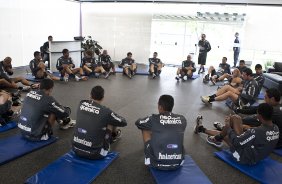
{"x": 129, "y": 66}
{"x": 96, "y": 127}
{"x": 89, "y": 65}
{"x": 163, "y": 136}
{"x": 234, "y": 80}
{"x": 272, "y": 97}
{"x": 187, "y": 69}
{"x": 9, "y": 107}
{"x": 245, "y": 96}
{"x": 259, "y": 76}
{"x": 67, "y": 68}
{"x": 242, "y": 66}
{"x": 106, "y": 62}
{"x": 40, "y": 111}
{"x": 155, "y": 65}
{"x": 213, "y": 75}
{"x": 246, "y": 146}
{"x": 6, "y": 81}
{"x": 38, "y": 68}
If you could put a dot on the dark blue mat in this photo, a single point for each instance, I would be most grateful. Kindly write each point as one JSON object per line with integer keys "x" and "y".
{"x": 8, "y": 126}
{"x": 30, "y": 77}
{"x": 266, "y": 171}
{"x": 16, "y": 146}
{"x": 71, "y": 169}
{"x": 229, "y": 103}
{"x": 278, "y": 152}
{"x": 195, "y": 76}
{"x": 141, "y": 70}
{"x": 188, "y": 173}
{"x": 261, "y": 96}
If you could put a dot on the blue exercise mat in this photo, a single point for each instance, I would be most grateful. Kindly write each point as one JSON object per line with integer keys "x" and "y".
{"x": 8, "y": 126}
{"x": 141, "y": 70}
{"x": 195, "y": 76}
{"x": 72, "y": 169}
{"x": 278, "y": 151}
{"x": 266, "y": 171}
{"x": 30, "y": 77}
{"x": 188, "y": 173}
{"x": 261, "y": 96}
{"x": 16, "y": 146}
{"x": 229, "y": 103}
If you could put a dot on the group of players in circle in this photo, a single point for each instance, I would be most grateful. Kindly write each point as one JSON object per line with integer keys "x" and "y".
{"x": 163, "y": 133}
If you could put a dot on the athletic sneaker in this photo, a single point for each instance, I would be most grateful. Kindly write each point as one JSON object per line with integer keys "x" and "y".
{"x": 185, "y": 78}
{"x": 66, "y": 78}
{"x": 116, "y": 136}
{"x": 154, "y": 75}
{"x": 77, "y": 78}
{"x": 177, "y": 78}
{"x": 206, "y": 79}
{"x": 218, "y": 125}
{"x": 205, "y": 99}
{"x": 211, "y": 140}
{"x": 198, "y": 124}
{"x": 107, "y": 74}
{"x": 67, "y": 123}
{"x": 212, "y": 81}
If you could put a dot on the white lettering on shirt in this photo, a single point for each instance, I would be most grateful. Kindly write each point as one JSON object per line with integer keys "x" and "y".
{"x": 82, "y": 141}
{"x": 85, "y": 106}
{"x": 34, "y": 95}
{"x": 23, "y": 127}
{"x": 170, "y": 157}
{"x": 169, "y": 120}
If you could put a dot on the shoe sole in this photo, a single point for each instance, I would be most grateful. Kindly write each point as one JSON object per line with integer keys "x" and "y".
{"x": 215, "y": 124}
{"x": 207, "y": 103}
{"x": 216, "y": 145}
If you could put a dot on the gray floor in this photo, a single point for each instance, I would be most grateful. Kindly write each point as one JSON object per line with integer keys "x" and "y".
{"x": 133, "y": 99}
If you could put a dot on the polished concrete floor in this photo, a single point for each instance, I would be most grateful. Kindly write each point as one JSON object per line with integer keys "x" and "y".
{"x": 133, "y": 99}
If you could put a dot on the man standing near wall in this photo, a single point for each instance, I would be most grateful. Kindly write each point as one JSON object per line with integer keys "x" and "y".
{"x": 204, "y": 48}
{"x": 46, "y": 51}
{"x": 236, "y": 49}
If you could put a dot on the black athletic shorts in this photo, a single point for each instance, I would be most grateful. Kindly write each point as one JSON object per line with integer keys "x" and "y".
{"x": 151, "y": 160}
{"x": 202, "y": 58}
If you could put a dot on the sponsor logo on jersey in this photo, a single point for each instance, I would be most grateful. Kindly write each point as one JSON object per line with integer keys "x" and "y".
{"x": 81, "y": 130}
{"x": 34, "y": 95}
{"x": 144, "y": 121}
{"x": 172, "y": 146}
{"x": 57, "y": 107}
{"x": 168, "y": 120}
{"x": 24, "y": 127}
{"x": 170, "y": 157}
{"x": 116, "y": 118}
{"x": 23, "y": 118}
{"x": 82, "y": 141}
{"x": 247, "y": 140}
{"x": 85, "y": 106}
{"x": 272, "y": 135}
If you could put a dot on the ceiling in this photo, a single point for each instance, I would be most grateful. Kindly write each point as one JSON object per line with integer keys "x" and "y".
{"x": 242, "y": 2}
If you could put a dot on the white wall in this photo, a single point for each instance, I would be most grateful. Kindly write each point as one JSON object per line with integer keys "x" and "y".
{"x": 118, "y": 33}
{"x": 26, "y": 24}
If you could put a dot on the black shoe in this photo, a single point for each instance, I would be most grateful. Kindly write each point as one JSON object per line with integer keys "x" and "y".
{"x": 116, "y": 135}
{"x": 218, "y": 125}
{"x": 198, "y": 124}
